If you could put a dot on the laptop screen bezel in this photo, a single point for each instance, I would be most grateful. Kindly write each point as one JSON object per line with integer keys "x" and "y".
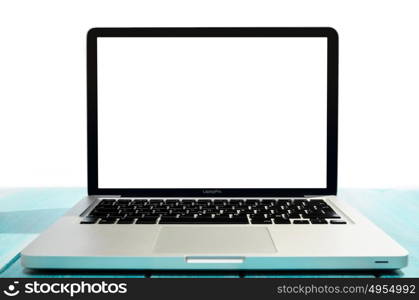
{"x": 332, "y": 109}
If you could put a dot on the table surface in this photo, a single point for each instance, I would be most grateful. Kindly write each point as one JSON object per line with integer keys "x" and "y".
{"x": 25, "y": 212}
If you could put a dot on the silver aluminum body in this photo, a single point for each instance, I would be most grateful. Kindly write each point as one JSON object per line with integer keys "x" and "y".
{"x": 354, "y": 246}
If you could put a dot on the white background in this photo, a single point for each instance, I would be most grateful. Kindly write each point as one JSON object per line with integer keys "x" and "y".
{"x": 212, "y": 112}
{"x": 42, "y": 79}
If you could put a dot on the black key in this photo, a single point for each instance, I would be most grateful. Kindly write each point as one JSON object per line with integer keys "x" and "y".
{"x": 133, "y": 214}
{"x": 268, "y": 201}
{"x": 282, "y": 221}
{"x": 151, "y": 215}
{"x": 107, "y": 201}
{"x": 261, "y": 221}
{"x": 98, "y": 214}
{"x": 140, "y": 201}
{"x": 217, "y": 200}
{"x": 105, "y": 209}
{"x": 237, "y": 203}
{"x": 221, "y": 216}
{"x": 164, "y": 213}
{"x": 318, "y": 201}
{"x": 123, "y": 202}
{"x": 301, "y": 202}
{"x": 252, "y": 201}
{"x": 318, "y": 204}
{"x": 257, "y": 216}
{"x": 281, "y": 209}
{"x": 311, "y": 214}
{"x": 337, "y": 222}
{"x": 285, "y": 202}
{"x": 115, "y": 215}
{"x": 172, "y": 201}
{"x": 206, "y": 216}
{"x": 293, "y": 214}
{"x": 107, "y": 221}
{"x": 173, "y": 220}
{"x": 331, "y": 215}
{"x": 128, "y": 208}
{"x": 105, "y": 206}
{"x": 174, "y": 205}
{"x": 204, "y": 201}
{"x": 301, "y": 222}
{"x": 318, "y": 221}
{"x": 154, "y": 201}
{"x": 88, "y": 220}
{"x": 146, "y": 220}
{"x": 188, "y": 200}
{"x": 224, "y": 220}
{"x": 125, "y": 221}
{"x": 281, "y": 216}
{"x": 299, "y": 208}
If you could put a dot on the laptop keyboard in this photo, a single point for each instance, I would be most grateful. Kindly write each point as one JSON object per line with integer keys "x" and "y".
{"x": 212, "y": 211}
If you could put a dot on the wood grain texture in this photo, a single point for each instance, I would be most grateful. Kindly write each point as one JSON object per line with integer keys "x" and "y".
{"x": 26, "y": 212}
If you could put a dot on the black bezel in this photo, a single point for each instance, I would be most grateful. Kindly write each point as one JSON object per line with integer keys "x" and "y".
{"x": 332, "y": 108}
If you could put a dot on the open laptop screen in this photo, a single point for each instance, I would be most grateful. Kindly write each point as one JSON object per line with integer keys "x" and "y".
{"x": 212, "y": 112}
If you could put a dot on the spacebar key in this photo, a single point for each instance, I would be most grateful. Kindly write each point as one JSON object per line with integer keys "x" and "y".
{"x": 171, "y": 220}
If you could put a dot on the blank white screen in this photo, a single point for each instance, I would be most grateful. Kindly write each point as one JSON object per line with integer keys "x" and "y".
{"x": 212, "y": 112}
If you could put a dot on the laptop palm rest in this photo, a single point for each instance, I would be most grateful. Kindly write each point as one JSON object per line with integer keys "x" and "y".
{"x": 214, "y": 240}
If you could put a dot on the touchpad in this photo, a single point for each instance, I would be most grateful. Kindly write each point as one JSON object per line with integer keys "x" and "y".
{"x": 210, "y": 240}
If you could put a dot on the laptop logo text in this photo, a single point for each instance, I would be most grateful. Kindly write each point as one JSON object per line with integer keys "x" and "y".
{"x": 212, "y": 192}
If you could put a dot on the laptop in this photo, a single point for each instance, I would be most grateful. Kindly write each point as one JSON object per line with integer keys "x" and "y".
{"x": 212, "y": 149}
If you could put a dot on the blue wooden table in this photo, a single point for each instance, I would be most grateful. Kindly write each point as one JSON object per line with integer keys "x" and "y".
{"x": 24, "y": 213}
